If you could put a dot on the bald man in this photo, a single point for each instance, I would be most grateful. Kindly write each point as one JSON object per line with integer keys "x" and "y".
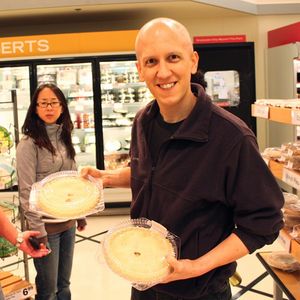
{"x": 196, "y": 169}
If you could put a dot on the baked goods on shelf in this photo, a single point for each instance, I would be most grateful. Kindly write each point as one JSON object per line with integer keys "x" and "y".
{"x": 67, "y": 195}
{"x": 138, "y": 252}
{"x": 284, "y": 261}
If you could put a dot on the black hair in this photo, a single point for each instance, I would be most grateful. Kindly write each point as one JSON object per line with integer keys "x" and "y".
{"x": 198, "y": 77}
{"x": 35, "y": 128}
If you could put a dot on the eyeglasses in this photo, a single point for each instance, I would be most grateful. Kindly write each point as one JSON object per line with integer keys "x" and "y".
{"x": 54, "y": 104}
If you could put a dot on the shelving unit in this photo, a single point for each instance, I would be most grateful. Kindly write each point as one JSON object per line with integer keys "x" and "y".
{"x": 14, "y": 287}
{"x": 289, "y": 283}
{"x": 283, "y": 281}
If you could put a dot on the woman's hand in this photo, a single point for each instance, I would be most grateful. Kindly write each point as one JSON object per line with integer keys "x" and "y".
{"x": 81, "y": 224}
{"x": 28, "y": 248}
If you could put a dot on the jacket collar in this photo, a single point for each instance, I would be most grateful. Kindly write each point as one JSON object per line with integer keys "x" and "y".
{"x": 53, "y": 130}
{"x": 195, "y": 127}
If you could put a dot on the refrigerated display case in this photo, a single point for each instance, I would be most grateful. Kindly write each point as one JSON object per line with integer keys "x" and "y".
{"x": 102, "y": 108}
{"x": 122, "y": 95}
{"x": 104, "y": 93}
{"x": 76, "y": 82}
{"x": 14, "y": 100}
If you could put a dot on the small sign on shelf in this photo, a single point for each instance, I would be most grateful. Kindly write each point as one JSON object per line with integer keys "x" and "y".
{"x": 291, "y": 177}
{"x": 261, "y": 111}
{"x": 295, "y": 115}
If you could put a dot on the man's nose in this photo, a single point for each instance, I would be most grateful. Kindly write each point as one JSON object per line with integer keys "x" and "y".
{"x": 163, "y": 70}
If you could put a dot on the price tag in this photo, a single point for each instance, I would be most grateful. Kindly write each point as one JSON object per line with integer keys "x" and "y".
{"x": 23, "y": 293}
{"x": 295, "y": 114}
{"x": 261, "y": 111}
{"x": 291, "y": 178}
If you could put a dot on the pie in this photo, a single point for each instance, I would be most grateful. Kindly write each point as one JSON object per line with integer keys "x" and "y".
{"x": 68, "y": 197}
{"x": 138, "y": 254}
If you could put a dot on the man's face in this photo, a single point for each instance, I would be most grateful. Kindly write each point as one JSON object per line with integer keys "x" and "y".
{"x": 165, "y": 62}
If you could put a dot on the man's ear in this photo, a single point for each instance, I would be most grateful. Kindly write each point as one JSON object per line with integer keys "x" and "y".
{"x": 138, "y": 66}
{"x": 195, "y": 60}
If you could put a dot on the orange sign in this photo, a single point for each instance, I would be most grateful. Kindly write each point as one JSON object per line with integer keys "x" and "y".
{"x": 67, "y": 44}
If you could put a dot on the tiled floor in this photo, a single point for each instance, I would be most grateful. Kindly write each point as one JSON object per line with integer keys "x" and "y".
{"x": 92, "y": 280}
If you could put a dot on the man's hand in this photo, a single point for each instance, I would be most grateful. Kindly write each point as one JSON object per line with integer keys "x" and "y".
{"x": 110, "y": 178}
{"x": 181, "y": 269}
{"x": 98, "y": 174}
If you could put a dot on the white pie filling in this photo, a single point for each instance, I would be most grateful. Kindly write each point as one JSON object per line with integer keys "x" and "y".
{"x": 138, "y": 254}
{"x": 65, "y": 197}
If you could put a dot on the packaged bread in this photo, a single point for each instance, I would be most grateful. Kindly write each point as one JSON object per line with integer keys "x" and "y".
{"x": 283, "y": 261}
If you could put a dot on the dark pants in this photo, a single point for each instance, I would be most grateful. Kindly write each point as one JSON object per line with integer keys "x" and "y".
{"x": 224, "y": 294}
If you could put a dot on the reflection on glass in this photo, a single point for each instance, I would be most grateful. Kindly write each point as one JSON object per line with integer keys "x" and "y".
{"x": 223, "y": 87}
{"x": 11, "y": 79}
{"x": 75, "y": 80}
{"x": 122, "y": 95}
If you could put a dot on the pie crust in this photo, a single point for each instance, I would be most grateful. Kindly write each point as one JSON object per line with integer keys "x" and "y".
{"x": 138, "y": 254}
{"x": 67, "y": 196}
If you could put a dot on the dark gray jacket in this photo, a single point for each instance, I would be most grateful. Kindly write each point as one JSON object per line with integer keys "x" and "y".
{"x": 209, "y": 181}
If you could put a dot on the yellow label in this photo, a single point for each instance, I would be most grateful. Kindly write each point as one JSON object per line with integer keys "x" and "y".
{"x": 67, "y": 44}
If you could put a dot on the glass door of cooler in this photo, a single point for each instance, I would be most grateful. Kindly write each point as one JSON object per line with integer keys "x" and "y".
{"x": 14, "y": 102}
{"x": 122, "y": 95}
{"x": 76, "y": 82}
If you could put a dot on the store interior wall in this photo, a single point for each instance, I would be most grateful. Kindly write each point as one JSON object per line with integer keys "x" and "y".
{"x": 224, "y": 22}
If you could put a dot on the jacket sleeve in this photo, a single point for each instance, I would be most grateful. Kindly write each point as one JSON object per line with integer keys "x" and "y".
{"x": 254, "y": 195}
{"x": 26, "y": 169}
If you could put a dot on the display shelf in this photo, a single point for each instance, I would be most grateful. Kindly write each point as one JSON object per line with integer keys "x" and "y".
{"x": 276, "y": 168}
{"x": 121, "y": 85}
{"x": 291, "y": 177}
{"x": 14, "y": 288}
{"x": 276, "y": 114}
{"x": 288, "y": 282}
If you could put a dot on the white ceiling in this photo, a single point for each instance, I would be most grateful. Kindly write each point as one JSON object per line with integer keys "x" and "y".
{"x": 51, "y": 11}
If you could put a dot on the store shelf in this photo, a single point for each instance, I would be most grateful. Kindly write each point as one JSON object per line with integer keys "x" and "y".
{"x": 289, "y": 176}
{"x": 14, "y": 288}
{"x": 276, "y": 168}
{"x": 288, "y": 282}
{"x": 277, "y": 114}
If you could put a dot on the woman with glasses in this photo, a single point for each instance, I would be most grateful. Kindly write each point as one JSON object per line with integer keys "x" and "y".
{"x": 46, "y": 148}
